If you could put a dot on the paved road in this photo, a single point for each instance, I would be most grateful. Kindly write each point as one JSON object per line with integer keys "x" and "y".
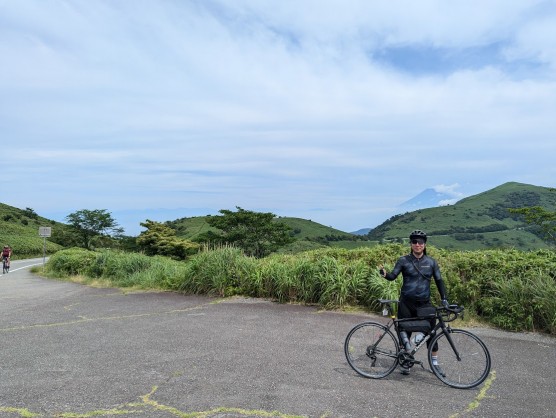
{"x": 68, "y": 350}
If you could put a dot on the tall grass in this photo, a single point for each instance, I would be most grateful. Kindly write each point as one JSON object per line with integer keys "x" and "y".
{"x": 117, "y": 268}
{"x": 511, "y": 289}
{"x": 216, "y": 272}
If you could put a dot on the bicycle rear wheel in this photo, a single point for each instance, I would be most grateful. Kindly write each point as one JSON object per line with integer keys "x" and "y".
{"x": 474, "y": 362}
{"x": 371, "y": 350}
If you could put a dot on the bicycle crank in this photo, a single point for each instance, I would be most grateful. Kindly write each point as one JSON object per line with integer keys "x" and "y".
{"x": 406, "y": 359}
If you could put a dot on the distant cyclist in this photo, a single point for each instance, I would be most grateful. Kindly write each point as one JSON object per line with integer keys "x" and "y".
{"x": 6, "y": 254}
{"x": 418, "y": 269}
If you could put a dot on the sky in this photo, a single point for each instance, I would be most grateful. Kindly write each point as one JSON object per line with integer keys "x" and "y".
{"x": 333, "y": 111}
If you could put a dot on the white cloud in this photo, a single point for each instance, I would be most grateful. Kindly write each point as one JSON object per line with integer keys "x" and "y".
{"x": 292, "y": 106}
{"x": 448, "y": 189}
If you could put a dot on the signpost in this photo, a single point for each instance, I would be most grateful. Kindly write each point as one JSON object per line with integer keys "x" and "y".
{"x": 44, "y": 231}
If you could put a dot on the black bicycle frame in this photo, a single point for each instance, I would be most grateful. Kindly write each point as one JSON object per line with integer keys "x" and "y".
{"x": 440, "y": 325}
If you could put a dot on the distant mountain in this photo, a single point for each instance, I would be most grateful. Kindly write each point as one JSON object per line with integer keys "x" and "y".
{"x": 430, "y": 198}
{"x": 363, "y": 231}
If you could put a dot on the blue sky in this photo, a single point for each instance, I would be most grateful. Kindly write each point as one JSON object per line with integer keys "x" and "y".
{"x": 334, "y": 111}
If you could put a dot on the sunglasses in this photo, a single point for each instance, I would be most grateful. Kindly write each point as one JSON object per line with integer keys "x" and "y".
{"x": 418, "y": 241}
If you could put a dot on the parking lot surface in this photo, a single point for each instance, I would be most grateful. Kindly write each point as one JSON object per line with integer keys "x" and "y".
{"x": 68, "y": 350}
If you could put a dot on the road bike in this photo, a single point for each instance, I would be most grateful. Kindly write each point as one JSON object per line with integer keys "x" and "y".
{"x": 373, "y": 349}
{"x": 5, "y": 265}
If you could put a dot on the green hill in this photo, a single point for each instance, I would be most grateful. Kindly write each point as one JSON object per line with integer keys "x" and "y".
{"x": 309, "y": 235}
{"x": 190, "y": 228}
{"x": 477, "y": 222}
{"x": 20, "y": 230}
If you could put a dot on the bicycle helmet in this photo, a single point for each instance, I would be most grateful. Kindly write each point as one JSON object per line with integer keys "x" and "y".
{"x": 418, "y": 234}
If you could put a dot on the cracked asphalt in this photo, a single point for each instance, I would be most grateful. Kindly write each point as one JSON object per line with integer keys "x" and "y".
{"x": 68, "y": 350}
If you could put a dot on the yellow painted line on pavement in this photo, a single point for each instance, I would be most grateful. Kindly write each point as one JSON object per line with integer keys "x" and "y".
{"x": 147, "y": 403}
{"x": 102, "y": 318}
{"x": 482, "y": 394}
{"x": 22, "y": 412}
{"x": 204, "y": 414}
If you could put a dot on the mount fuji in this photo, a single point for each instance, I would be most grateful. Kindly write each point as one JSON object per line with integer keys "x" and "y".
{"x": 432, "y": 197}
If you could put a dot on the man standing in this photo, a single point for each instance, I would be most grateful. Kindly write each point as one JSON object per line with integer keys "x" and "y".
{"x": 418, "y": 269}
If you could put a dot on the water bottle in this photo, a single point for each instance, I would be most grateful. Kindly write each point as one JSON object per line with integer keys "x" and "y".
{"x": 417, "y": 338}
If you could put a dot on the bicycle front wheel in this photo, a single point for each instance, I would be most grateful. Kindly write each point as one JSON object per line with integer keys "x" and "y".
{"x": 371, "y": 350}
{"x": 470, "y": 369}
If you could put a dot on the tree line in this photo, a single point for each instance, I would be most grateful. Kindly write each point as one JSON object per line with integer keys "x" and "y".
{"x": 257, "y": 234}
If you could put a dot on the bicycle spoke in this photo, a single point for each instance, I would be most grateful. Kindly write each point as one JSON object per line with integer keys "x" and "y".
{"x": 473, "y": 365}
{"x": 371, "y": 350}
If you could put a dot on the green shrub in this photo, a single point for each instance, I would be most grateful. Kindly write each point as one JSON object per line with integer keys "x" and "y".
{"x": 513, "y": 290}
{"x": 216, "y": 272}
{"x": 72, "y": 262}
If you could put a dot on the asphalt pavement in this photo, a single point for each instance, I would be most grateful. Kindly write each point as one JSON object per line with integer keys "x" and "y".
{"x": 68, "y": 350}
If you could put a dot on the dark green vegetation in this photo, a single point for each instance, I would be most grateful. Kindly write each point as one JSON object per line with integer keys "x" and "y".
{"x": 510, "y": 289}
{"x": 92, "y": 227}
{"x": 482, "y": 221}
{"x": 160, "y": 239}
{"x": 20, "y": 230}
{"x": 257, "y": 234}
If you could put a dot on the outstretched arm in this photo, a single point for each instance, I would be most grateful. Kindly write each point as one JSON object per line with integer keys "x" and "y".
{"x": 393, "y": 274}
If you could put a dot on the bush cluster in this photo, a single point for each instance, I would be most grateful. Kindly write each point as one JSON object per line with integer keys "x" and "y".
{"x": 511, "y": 289}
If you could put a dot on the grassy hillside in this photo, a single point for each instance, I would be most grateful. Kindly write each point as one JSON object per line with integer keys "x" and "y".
{"x": 478, "y": 222}
{"x": 309, "y": 235}
{"x": 20, "y": 230}
{"x": 190, "y": 228}
{"x": 303, "y": 228}
{"x": 481, "y": 221}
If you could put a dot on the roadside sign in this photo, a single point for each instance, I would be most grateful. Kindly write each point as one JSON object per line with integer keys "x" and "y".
{"x": 45, "y": 231}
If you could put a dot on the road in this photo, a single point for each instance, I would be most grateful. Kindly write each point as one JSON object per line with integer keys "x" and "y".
{"x": 69, "y": 350}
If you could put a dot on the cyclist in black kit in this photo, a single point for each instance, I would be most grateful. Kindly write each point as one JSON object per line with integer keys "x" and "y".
{"x": 417, "y": 270}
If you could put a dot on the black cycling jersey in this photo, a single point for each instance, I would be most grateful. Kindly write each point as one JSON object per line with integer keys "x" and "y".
{"x": 417, "y": 274}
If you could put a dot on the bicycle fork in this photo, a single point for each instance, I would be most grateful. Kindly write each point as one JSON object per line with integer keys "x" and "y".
{"x": 447, "y": 331}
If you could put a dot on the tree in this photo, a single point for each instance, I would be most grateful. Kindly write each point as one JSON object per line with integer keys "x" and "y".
{"x": 160, "y": 239}
{"x": 542, "y": 218}
{"x": 93, "y": 225}
{"x": 256, "y": 233}
{"x": 30, "y": 213}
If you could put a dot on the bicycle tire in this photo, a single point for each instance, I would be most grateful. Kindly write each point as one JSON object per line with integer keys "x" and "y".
{"x": 474, "y": 364}
{"x": 371, "y": 350}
